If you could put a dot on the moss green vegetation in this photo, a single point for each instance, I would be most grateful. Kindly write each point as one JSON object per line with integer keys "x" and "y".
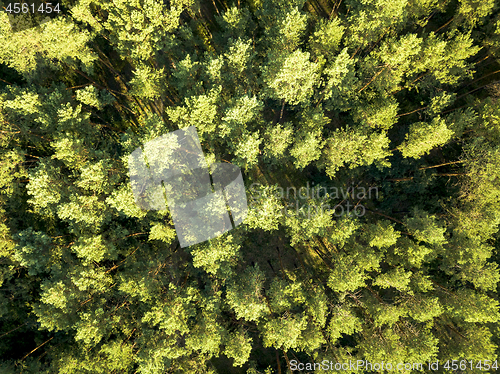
{"x": 399, "y": 96}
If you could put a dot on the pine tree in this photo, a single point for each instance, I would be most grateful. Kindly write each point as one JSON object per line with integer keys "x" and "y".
{"x": 393, "y": 96}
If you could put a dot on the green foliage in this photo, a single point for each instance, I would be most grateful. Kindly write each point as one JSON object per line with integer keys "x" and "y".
{"x": 424, "y": 227}
{"x": 265, "y": 208}
{"x": 349, "y": 273}
{"x": 277, "y": 140}
{"x": 291, "y": 78}
{"x": 396, "y": 96}
{"x": 283, "y": 333}
{"x": 325, "y": 41}
{"x": 344, "y": 322}
{"x": 382, "y": 235}
{"x": 215, "y": 254}
{"x": 146, "y": 82}
{"x": 245, "y": 295}
{"x": 238, "y": 347}
{"x": 349, "y": 147}
{"x": 423, "y": 137}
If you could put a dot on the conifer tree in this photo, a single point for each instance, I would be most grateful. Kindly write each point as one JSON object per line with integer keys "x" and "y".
{"x": 317, "y": 104}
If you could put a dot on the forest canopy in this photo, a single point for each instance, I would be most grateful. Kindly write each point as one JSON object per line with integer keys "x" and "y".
{"x": 368, "y": 136}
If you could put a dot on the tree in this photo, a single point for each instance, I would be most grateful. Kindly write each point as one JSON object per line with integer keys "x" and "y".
{"x": 318, "y": 104}
{"x": 423, "y": 137}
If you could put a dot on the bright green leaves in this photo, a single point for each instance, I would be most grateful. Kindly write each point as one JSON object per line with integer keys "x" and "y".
{"x": 66, "y": 42}
{"x": 235, "y": 125}
{"x": 350, "y": 147}
{"x": 446, "y": 60}
{"x": 172, "y": 315}
{"x": 285, "y": 296}
{"x": 245, "y": 297}
{"x": 185, "y": 74}
{"x": 310, "y": 219}
{"x": 423, "y": 137}
{"x": 307, "y": 148}
{"x": 424, "y": 308}
{"x": 293, "y": 295}
{"x": 236, "y": 22}
{"x": 308, "y": 140}
{"x": 117, "y": 356}
{"x": 58, "y": 41}
{"x": 93, "y": 249}
{"x": 399, "y": 53}
{"x": 97, "y": 177}
{"x": 238, "y": 347}
{"x": 385, "y": 314}
{"x": 472, "y": 306}
{"x": 54, "y": 294}
{"x": 340, "y": 81}
{"x": 475, "y": 342}
{"x": 284, "y": 332}
{"x": 277, "y": 139}
{"x": 146, "y": 82}
{"x": 440, "y": 102}
{"x": 317, "y": 304}
{"x": 395, "y": 59}
{"x": 206, "y": 335}
{"x": 416, "y": 345}
{"x": 326, "y": 39}
{"x": 91, "y": 279}
{"x": 71, "y": 151}
{"x": 388, "y": 65}
{"x": 7, "y": 246}
{"x": 395, "y": 278}
{"x": 483, "y": 169}
{"x": 11, "y": 169}
{"x": 342, "y": 147}
{"x": 291, "y": 78}
{"x": 83, "y": 212}
{"x": 421, "y": 9}
{"x": 91, "y": 96}
{"x": 112, "y": 356}
{"x": 141, "y": 28}
{"x": 344, "y": 321}
{"x": 238, "y": 116}
{"x": 284, "y": 24}
{"x": 291, "y": 29}
{"x": 122, "y": 200}
{"x": 377, "y": 115}
{"x": 247, "y": 150}
{"x": 381, "y": 235}
{"x": 239, "y": 56}
{"x": 91, "y": 327}
{"x": 46, "y": 187}
{"x": 200, "y": 111}
{"x": 342, "y": 230}
{"x": 475, "y": 11}
{"x": 426, "y": 228}
{"x": 265, "y": 208}
{"x": 216, "y": 254}
{"x": 371, "y": 19}
{"x": 163, "y": 232}
{"x": 138, "y": 287}
{"x": 411, "y": 253}
{"x": 21, "y": 109}
{"x": 349, "y": 271}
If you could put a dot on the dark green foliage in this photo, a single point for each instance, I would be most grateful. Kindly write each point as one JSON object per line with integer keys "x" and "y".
{"x": 386, "y": 112}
